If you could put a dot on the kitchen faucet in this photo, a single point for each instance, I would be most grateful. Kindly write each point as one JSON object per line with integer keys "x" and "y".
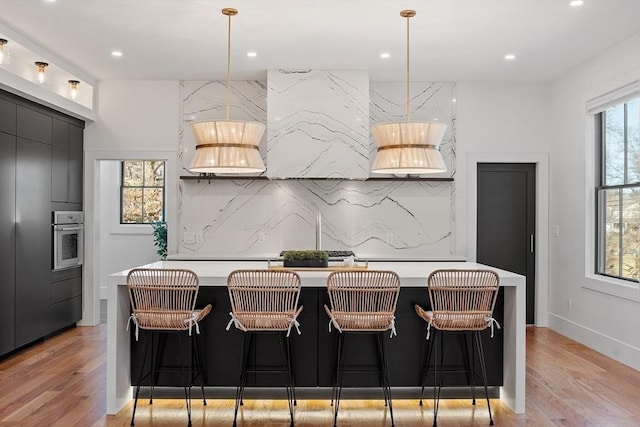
{"x": 319, "y": 231}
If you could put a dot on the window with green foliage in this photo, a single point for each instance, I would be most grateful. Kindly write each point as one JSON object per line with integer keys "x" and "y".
{"x": 618, "y": 192}
{"x": 142, "y": 191}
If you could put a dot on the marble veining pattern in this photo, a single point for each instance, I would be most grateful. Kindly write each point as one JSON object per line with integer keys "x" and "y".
{"x": 317, "y": 124}
{"x": 372, "y": 218}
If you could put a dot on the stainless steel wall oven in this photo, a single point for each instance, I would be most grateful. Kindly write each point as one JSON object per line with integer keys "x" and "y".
{"x": 68, "y": 239}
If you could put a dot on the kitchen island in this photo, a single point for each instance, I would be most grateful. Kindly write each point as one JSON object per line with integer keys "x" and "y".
{"x": 222, "y": 349}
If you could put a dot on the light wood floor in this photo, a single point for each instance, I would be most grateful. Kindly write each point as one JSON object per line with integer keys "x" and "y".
{"x": 61, "y": 382}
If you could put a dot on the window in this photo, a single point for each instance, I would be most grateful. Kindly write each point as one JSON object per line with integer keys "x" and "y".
{"x": 618, "y": 191}
{"x": 142, "y": 191}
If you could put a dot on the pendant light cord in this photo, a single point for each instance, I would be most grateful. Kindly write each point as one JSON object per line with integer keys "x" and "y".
{"x": 408, "y": 110}
{"x": 229, "y": 68}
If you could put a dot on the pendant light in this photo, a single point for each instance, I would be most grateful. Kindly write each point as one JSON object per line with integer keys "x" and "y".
{"x": 4, "y": 52}
{"x": 408, "y": 147}
{"x": 226, "y": 146}
{"x": 73, "y": 88}
{"x": 42, "y": 66}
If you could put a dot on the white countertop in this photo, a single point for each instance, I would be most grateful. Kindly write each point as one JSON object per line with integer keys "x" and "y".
{"x": 412, "y": 274}
{"x": 272, "y": 257}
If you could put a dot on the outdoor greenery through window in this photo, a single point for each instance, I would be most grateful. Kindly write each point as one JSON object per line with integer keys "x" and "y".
{"x": 618, "y": 193}
{"x": 142, "y": 191}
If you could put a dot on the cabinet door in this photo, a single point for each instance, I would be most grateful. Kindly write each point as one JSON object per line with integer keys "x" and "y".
{"x": 7, "y": 116}
{"x": 33, "y": 239}
{"x": 60, "y": 165}
{"x": 7, "y": 241}
{"x": 66, "y": 303}
{"x": 76, "y": 159}
{"x": 34, "y": 125}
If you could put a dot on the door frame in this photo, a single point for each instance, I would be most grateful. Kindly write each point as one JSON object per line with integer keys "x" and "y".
{"x": 91, "y": 267}
{"x": 541, "y": 160}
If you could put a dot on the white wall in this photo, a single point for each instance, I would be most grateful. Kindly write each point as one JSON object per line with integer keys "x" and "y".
{"x": 504, "y": 123}
{"x": 607, "y": 323}
{"x": 119, "y": 249}
{"x": 137, "y": 120}
{"x": 135, "y": 115}
{"x": 499, "y": 118}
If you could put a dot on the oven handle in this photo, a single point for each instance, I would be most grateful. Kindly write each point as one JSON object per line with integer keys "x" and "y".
{"x": 72, "y": 228}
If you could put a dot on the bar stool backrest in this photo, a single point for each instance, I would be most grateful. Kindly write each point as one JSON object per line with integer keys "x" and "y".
{"x": 264, "y": 299}
{"x": 162, "y": 298}
{"x": 363, "y": 299}
{"x": 462, "y": 299}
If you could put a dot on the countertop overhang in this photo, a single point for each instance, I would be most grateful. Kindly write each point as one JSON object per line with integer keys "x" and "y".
{"x": 412, "y": 273}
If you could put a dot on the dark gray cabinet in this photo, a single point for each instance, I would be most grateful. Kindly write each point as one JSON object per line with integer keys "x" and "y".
{"x": 65, "y": 299}
{"x": 60, "y": 162}
{"x": 33, "y": 240}
{"x": 41, "y": 155}
{"x": 7, "y": 116}
{"x": 7, "y": 240}
{"x": 34, "y": 125}
{"x": 66, "y": 179}
{"x": 76, "y": 161}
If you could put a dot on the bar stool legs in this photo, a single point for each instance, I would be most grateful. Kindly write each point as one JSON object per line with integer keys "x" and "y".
{"x": 438, "y": 339}
{"x": 156, "y": 341}
{"x": 476, "y": 335}
{"x": 245, "y": 368}
{"x": 383, "y": 370}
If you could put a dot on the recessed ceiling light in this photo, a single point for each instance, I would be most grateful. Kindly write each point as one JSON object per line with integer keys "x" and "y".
{"x": 116, "y": 53}
{"x": 510, "y": 57}
{"x": 49, "y": 1}
{"x": 384, "y": 55}
{"x": 252, "y": 54}
{"x": 576, "y": 3}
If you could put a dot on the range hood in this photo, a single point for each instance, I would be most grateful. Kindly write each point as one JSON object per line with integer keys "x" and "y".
{"x": 318, "y": 124}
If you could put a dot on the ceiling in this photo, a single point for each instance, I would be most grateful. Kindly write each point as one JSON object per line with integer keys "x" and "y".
{"x": 451, "y": 40}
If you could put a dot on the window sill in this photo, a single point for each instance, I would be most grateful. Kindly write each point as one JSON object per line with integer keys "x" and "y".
{"x": 614, "y": 287}
{"x": 131, "y": 229}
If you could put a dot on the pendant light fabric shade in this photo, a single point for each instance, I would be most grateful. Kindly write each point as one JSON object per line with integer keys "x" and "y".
{"x": 227, "y": 146}
{"x": 409, "y": 147}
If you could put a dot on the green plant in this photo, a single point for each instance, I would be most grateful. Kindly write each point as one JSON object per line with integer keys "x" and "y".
{"x": 306, "y": 255}
{"x": 160, "y": 238}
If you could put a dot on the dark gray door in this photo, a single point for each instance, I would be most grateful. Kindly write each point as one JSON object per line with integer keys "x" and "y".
{"x": 7, "y": 241}
{"x": 33, "y": 240}
{"x": 506, "y": 221}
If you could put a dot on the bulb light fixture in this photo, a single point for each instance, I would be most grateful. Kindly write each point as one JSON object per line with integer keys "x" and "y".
{"x": 408, "y": 147}
{"x": 73, "y": 91}
{"x": 226, "y": 146}
{"x": 42, "y": 66}
{"x": 4, "y": 53}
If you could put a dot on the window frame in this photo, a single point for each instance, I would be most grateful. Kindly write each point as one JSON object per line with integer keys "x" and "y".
{"x": 122, "y": 187}
{"x": 601, "y": 187}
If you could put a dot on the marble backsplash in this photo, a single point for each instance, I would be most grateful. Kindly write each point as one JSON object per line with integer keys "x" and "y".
{"x": 263, "y": 217}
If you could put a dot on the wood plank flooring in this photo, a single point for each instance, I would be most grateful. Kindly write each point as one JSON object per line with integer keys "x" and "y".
{"x": 62, "y": 381}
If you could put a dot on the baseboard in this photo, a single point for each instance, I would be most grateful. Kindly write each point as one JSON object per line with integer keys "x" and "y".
{"x": 611, "y": 347}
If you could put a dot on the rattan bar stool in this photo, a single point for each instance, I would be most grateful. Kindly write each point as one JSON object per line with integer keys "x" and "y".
{"x": 162, "y": 302}
{"x": 462, "y": 302}
{"x": 264, "y": 301}
{"x": 362, "y": 301}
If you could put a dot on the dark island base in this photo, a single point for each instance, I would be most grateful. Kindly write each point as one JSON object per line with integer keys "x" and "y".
{"x": 314, "y": 350}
